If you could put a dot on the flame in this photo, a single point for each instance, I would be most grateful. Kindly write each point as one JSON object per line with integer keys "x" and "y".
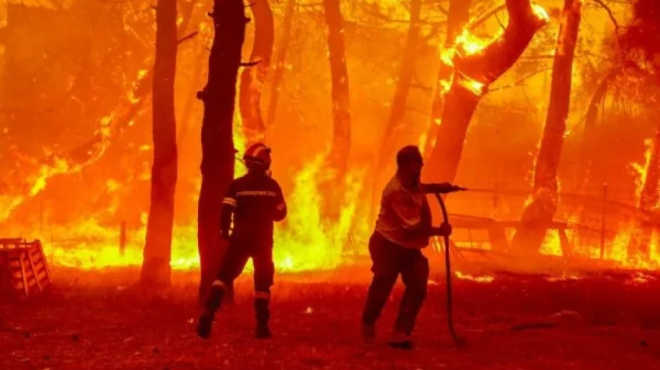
{"x": 479, "y": 279}
{"x": 469, "y": 44}
{"x": 136, "y": 84}
{"x": 551, "y": 244}
{"x": 540, "y": 13}
{"x": 641, "y": 169}
{"x": 563, "y": 277}
{"x": 305, "y": 241}
{"x": 472, "y": 85}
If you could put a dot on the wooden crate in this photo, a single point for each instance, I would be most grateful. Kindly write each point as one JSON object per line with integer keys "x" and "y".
{"x": 23, "y": 268}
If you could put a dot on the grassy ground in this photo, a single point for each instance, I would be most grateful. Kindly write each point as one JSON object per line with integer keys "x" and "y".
{"x": 101, "y": 320}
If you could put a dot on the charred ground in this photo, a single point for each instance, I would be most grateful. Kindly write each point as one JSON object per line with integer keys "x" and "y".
{"x": 102, "y": 320}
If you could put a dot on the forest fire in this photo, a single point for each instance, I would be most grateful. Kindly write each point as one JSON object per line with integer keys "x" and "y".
{"x": 179, "y": 163}
{"x": 311, "y": 238}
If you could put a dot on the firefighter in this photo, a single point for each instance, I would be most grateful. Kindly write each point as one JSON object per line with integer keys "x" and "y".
{"x": 256, "y": 202}
{"x": 402, "y": 230}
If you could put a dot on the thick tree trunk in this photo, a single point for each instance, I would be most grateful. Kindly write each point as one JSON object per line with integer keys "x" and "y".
{"x": 398, "y": 109}
{"x": 254, "y": 78}
{"x": 529, "y": 236}
{"x": 337, "y": 160}
{"x": 473, "y": 73}
{"x": 458, "y": 17}
{"x": 158, "y": 247}
{"x": 217, "y": 134}
{"x": 280, "y": 60}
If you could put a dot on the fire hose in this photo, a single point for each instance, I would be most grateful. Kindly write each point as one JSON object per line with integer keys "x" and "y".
{"x": 450, "y": 315}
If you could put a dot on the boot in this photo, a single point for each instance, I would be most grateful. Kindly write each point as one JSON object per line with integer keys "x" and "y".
{"x": 262, "y": 316}
{"x": 204, "y": 325}
{"x": 400, "y": 340}
{"x": 212, "y": 304}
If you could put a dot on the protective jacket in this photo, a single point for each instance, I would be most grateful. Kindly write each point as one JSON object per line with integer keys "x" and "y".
{"x": 256, "y": 201}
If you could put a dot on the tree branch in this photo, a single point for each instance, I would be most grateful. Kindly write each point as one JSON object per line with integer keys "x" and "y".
{"x": 186, "y": 38}
{"x": 609, "y": 12}
{"x": 520, "y": 81}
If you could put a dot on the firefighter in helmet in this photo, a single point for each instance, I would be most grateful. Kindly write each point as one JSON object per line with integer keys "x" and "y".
{"x": 403, "y": 228}
{"x": 255, "y": 201}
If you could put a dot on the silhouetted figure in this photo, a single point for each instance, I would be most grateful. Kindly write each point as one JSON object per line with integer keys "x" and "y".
{"x": 256, "y": 201}
{"x": 403, "y": 228}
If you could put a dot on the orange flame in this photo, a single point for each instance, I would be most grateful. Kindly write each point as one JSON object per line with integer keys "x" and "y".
{"x": 486, "y": 279}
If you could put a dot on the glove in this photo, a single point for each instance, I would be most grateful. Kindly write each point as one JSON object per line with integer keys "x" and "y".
{"x": 441, "y": 188}
{"x": 444, "y": 230}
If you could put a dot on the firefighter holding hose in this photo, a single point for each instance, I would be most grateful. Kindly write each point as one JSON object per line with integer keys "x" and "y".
{"x": 256, "y": 202}
{"x": 402, "y": 230}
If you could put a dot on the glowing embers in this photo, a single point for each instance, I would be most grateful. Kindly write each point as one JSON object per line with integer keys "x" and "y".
{"x": 485, "y": 279}
{"x": 639, "y": 278}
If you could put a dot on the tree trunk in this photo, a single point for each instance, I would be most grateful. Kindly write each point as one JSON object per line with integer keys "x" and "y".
{"x": 596, "y": 106}
{"x": 280, "y": 60}
{"x": 649, "y": 199}
{"x": 639, "y": 247}
{"x": 458, "y": 17}
{"x": 158, "y": 247}
{"x": 589, "y": 136}
{"x": 473, "y": 73}
{"x": 184, "y": 119}
{"x": 254, "y": 78}
{"x": 337, "y": 160}
{"x": 530, "y": 234}
{"x": 217, "y": 135}
{"x": 398, "y": 110}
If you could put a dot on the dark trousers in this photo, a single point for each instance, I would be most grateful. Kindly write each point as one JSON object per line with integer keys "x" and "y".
{"x": 234, "y": 261}
{"x": 389, "y": 260}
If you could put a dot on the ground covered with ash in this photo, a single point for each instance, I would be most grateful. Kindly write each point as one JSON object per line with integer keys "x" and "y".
{"x": 103, "y": 320}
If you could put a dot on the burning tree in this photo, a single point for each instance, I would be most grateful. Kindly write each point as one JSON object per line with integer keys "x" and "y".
{"x": 641, "y": 43}
{"x": 337, "y": 160}
{"x": 217, "y": 132}
{"x": 540, "y": 211}
{"x": 253, "y": 79}
{"x": 475, "y": 68}
{"x": 457, "y": 18}
{"x": 397, "y": 112}
{"x": 280, "y": 60}
{"x": 158, "y": 248}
